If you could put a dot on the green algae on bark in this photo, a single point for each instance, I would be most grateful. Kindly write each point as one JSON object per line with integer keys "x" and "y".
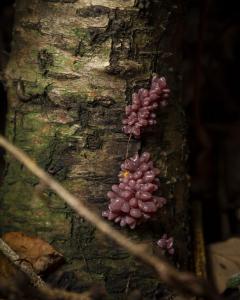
{"x": 72, "y": 70}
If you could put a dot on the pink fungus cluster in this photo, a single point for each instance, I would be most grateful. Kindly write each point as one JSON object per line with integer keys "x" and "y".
{"x": 166, "y": 244}
{"x": 132, "y": 201}
{"x": 140, "y": 113}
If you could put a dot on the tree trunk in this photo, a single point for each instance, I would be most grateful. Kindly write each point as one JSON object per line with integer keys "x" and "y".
{"x": 73, "y": 67}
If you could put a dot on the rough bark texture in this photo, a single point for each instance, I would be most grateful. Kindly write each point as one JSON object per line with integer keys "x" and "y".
{"x": 73, "y": 68}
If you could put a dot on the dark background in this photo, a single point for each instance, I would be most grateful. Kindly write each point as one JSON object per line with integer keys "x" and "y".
{"x": 211, "y": 98}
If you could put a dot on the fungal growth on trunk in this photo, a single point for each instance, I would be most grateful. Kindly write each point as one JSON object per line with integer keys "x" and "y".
{"x": 140, "y": 113}
{"x": 133, "y": 200}
{"x": 166, "y": 244}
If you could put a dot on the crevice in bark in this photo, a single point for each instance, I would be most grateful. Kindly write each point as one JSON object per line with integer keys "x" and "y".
{"x": 6, "y": 24}
{"x": 3, "y": 108}
{"x": 77, "y": 79}
{"x": 3, "y": 112}
{"x": 93, "y": 11}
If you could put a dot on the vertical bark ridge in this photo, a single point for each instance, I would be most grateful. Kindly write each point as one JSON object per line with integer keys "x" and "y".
{"x": 73, "y": 68}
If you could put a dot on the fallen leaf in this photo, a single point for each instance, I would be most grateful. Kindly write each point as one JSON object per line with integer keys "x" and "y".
{"x": 224, "y": 261}
{"x": 42, "y": 256}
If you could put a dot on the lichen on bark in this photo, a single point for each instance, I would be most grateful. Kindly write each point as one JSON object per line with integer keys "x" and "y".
{"x": 72, "y": 70}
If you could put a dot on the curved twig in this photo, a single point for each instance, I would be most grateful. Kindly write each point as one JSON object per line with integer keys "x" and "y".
{"x": 184, "y": 282}
{"x": 22, "y": 265}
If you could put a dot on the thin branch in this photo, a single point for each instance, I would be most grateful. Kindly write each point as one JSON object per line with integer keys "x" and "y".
{"x": 129, "y": 139}
{"x": 22, "y": 265}
{"x": 182, "y": 281}
{"x": 20, "y": 289}
{"x": 40, "y": 291}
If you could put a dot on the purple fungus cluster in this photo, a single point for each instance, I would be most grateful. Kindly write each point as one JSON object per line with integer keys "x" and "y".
{"x": 166, "y": 244}
{"x": 140, "y": 113}
{"x": 132, "y": 200}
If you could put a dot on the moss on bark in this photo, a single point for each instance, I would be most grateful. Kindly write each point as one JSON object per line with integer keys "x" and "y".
{"x": 73, "y": 68}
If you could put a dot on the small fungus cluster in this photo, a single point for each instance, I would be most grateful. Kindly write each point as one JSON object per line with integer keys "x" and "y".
{"x": 140, "y": 113}
{"x": 132, "y": 201}
{"x": 166, "y": 244}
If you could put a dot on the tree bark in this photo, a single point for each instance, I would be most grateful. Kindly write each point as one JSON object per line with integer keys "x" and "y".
{"x": 73, "y": 67}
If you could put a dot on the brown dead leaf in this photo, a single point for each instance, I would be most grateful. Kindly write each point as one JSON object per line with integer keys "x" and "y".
{"x": 37, "y": 252}
{"x": 224, "y": 261}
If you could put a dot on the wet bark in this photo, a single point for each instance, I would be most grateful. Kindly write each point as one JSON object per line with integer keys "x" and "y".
{"x": 73, "y": 67}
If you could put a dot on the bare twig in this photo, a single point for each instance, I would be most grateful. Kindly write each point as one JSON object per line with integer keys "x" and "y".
{"x": 22, "y": 265}
{"x": 19, "y": 289}
{"x": 182, "y": 281}
{"x": 199, "y": 245}
{"x": 129, "y": 139}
